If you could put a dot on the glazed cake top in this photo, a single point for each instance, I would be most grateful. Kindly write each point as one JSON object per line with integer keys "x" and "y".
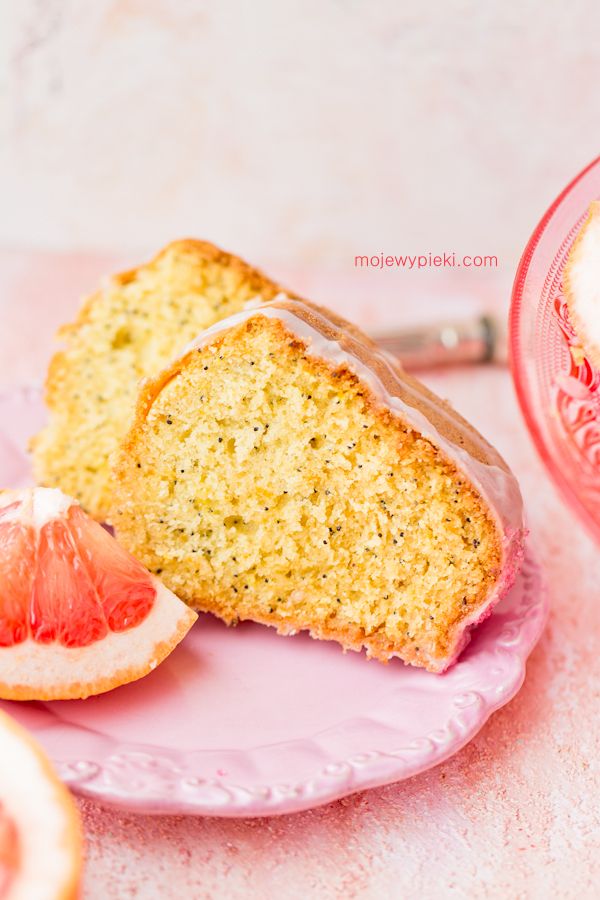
{"x": 341, "y": 344}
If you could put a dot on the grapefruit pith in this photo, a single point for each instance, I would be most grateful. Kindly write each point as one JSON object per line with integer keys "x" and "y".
{"x": 40, "y": 834}
{"x": 78, "y": 614}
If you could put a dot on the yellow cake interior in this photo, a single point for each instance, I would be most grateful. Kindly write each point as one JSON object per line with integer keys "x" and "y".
{"x": 129, "y": 330}
{"x": 262, "y": 484}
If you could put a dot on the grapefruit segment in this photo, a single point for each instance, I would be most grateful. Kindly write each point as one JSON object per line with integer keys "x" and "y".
{"x": 64, "y": 603}
{"x": 40, "y": 834}
{"x": 122, "y": 583}
{"x": 16, "y": 579}
{"x": 78, "y": 614}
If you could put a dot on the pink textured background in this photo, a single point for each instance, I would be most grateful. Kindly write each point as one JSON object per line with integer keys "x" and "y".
{"x": 514, "y": 814}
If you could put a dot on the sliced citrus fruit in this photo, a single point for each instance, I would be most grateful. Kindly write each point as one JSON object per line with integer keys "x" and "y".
{"x": 581, "y": 282}
{"x": 40, "y": 834}
{"x": 78, "y": 614}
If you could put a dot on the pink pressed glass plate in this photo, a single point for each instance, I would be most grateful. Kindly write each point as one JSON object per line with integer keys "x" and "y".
{"x": 558, "y": 388}
{"x": 243, "y": 722}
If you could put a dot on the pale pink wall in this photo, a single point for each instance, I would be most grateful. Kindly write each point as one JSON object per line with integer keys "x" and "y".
{"x": 303, "y": 132}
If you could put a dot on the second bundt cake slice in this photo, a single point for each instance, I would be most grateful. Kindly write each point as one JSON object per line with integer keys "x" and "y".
{"x": 128, "y": 330}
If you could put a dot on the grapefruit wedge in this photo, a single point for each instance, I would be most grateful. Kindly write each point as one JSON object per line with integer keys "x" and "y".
{"x": 581, "y": 282}
{"x": 78, "y": 614}
{"x": 40, "y": 834}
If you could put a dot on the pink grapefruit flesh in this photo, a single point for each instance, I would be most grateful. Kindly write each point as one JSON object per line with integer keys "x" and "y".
{"x": 67, "y": 585}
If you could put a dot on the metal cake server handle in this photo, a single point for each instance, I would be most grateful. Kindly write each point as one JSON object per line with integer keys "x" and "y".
{"x": 480, "y": 339}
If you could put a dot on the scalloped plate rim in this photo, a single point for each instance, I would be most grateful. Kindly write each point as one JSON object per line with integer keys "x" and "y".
{"x": 160, "y": 805}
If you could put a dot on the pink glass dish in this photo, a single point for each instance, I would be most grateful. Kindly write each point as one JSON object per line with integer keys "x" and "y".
{"x": 243, "y": 722}
{"x": 559, "y": 390}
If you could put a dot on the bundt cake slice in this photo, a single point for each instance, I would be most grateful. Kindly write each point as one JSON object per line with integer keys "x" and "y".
{"x": 130, "y": 329}
{"x": 284, "y": 470}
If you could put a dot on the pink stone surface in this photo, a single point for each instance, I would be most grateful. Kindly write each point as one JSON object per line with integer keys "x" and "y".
{"x": 514, "y": 814}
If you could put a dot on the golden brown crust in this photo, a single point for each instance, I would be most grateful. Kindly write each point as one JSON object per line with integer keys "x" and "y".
{"x": 208, "y": 253}
{"x": 578, "y": 324}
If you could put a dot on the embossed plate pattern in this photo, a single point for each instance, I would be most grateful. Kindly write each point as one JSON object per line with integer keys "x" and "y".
{"x": 242, "y": 722}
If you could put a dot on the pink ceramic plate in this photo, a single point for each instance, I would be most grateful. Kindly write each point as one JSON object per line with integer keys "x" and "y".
{"x": 242, "y": 722}
{"x": 559, "y": 390}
